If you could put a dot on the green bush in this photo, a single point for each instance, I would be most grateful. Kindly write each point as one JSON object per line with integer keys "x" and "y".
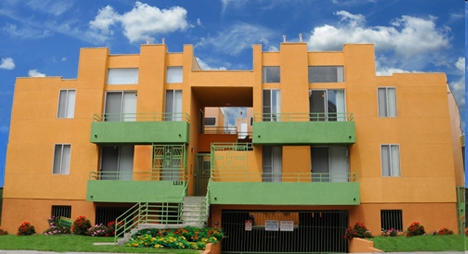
{"x": 81, "y": 226}
{"x": 415, "y": 229}
{"x": 26, "y": 229}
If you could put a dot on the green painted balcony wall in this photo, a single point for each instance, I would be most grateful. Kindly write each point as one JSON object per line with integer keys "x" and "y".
{"x": 285, "y": 193}
{"x": 134, "y": 191}
{"x": 140, "y": 132}
{"x": 271, "y": 133}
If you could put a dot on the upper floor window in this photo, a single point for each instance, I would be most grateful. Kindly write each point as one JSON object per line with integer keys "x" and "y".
{"x": 174, "y": 74}
{"x": 387, "y": 101}
{"x": 210, "y": 121}
{"x": 322, "y": 74}
{"x": 66, "y": 104}
{"x": 61, "y": 159}
{"x": 122, "y": 76}
{"x": 173, "y": 105}
{"x": 120, "y": 106}
{"x": 390, "y": 156}
{"x": 327, "y": 105}
{"x": 271, "y": 74}
{"x": 271, "y": 105}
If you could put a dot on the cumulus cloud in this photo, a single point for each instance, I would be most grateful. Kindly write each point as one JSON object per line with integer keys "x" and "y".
{"x": 406, "y": 36}
{"x": 7, "y": 63}
{"x": 35, "y": 73}
{"x": 458, "y": 86}
{"x": 237, "y": 38}
{"x": 143, "y": 21}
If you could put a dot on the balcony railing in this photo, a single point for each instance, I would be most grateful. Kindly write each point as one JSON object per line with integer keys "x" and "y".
{"x": 220, "y": 130}
{"x": 171, "y": 174}
{"x": 141, "y": 117}
{"x": 248, "y": 176}
{"x": 303, "y": 117}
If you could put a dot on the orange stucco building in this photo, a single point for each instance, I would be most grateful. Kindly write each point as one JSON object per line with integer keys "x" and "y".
{"x": 329, "y": 144}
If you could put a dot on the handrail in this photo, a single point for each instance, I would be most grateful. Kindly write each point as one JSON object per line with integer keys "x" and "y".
{"x": 220, "y": 130}
{"x": 220, "y": 175}
{"x": 142, "y": 117}
{"x": 303, "y": 117}
{"x": 166, "y": 174}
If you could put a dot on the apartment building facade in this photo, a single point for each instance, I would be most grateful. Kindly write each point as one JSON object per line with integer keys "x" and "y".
{"x": 329, "y": 144}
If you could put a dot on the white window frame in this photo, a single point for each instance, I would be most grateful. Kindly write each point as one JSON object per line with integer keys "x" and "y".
{"x": 122, "y": 76}
{"x": 66, "y": 103}
{"x": 267, "y": 78}
{"x": 174, "y": 74}
{"x": 63, "y": 161}
{"x": 274, "y": 106}
{"x": 389, "y": 102}
{"x": 392, "y": 157}
{"x": 173, "y": 109}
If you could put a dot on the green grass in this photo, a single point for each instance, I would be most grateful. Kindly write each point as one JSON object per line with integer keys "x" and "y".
{"x": 67, "y": 243}
{"x": 420, "y": 243}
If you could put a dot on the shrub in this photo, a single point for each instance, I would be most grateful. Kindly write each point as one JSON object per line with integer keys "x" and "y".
{"x": 444, "y": 231}
{"x": 391, "y": 232}
{"x": 359, "y": 230}
{"x": 111, "y": 228}
{"x": 3, "y": 232}
{"x": 55, "y": 228}
{"x": 415, "y": 229}
{"x": 81, "y": 226}
{"x": 97, "y": 230}
{"x": 466, "y": 231}
{"x": 26, "y": 229}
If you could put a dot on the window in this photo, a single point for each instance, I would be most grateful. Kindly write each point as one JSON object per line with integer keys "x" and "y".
{"x": 391, "y": 219}
{"x": 120, "y": 107}
{"x": 272, "y": 163}
{"x": 61, "y": 159}
{"x": 210, "y": 121}
{"x": 390, "y": 160}
{"x": 327, "y": 105}
{"x": 120, "y": 76}
{"x": 387, "y": 101}
{"x": 117, "y": 162}
{"x": 173, "y": 105}
{"x": 174, "y": 74}
{"x": 329, "y": 164}
{"x": 271, "y": 105}
{"x": 322, "y": 74}
{"x": 271, "y": 74}
{"x": 61, "y": 211}
{"x": 66, "y": 105}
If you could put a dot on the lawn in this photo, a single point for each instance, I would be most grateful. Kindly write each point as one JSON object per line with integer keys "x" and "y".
{"x": 421, "y": 243}
{"x": 68, "y": 243}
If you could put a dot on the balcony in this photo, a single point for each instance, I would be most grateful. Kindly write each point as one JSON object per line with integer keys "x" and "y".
{"x": 299, "y": 188}
{"x": 167, "y": 185}
{"x": 140, "y": 128}
{"x": 304, "y": 129}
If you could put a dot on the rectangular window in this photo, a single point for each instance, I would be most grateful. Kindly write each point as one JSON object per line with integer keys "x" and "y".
{"x": 174, "y": 74}
{"x": 327, "y": 105}
{"x": 117, "y": 162}
{"x": 271, "y": 105}
{"x": 323, "y": 74}
{"x": 173, "y": 105}
{"x": 272, "y": 161}
{"x": 390, "y": 156}
{"x": 210, "y": 121}
{"x": 391, "y": 219}
{"x": 120, "y": 106}
{"x": 61, "y": 211}
{"x": 387, "y": 101}
{"x": 62, "y": 159}
{"x": 66, "y": 105}
{"x": 122, "y": 76}
{"x": 271, "y": 74}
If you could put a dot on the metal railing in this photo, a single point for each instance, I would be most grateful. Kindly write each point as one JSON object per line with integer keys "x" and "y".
{"x": 166, "y": 174}
{"x": 220, "y": 130}
{"x": 141, "y": 117}
{"x": 249, "y": 176}
{"x": 303, "y": 117}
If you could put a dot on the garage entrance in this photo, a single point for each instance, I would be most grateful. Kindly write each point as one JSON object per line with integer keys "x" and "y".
{"x": 284, "y": 231}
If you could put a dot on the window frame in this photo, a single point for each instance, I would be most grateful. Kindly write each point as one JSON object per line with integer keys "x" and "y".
{"x": 387, "y": 111}
{"x": 174, "y": 70}
{"x": 65, "y": 102}
{"x": 390, "y": 170}
{"x": 386, "y": 212}
{"x": 133, "y": 81}
{"x": 64, "y": 209}
{"x": 266, "y": 78}
{"x": 339, "y": 74}
{"x": 210, "y": 117}
{"x": 60, "y": 170}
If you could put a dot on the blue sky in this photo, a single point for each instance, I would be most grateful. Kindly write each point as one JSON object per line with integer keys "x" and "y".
{"x": 43, "y": 37}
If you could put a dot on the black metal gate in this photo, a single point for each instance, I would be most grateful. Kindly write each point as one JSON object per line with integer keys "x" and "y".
{"x": 284, "y": 231}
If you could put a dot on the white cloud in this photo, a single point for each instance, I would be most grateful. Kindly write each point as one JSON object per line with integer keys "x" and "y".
{"x": 7, "y": 63}
{"x": 237, "y": 38}
{"x": 458, "y": 86}
{"x": 407, "y": 36}
{"x": 199, "y": 22}
{"x": 53, "y": 7}
{"x": 25, "y": 32}
{"x": 236, "y": 3}
{"x": 64, "y": 59}
{"x": 205, "y": 66}
{"x": 143, "y": 21}
{"x": 460, "y": 64}
{"x": 35, "y": 73}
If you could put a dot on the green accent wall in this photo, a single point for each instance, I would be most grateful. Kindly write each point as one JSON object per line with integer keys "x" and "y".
{"x": 139, "y": 132}
{"x": 272, "y": 133}
{"x": 285, "y": 193}
{"x": 134, "y": 191}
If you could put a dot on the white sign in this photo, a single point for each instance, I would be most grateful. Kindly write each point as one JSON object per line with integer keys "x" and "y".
{"x": 248, "y": 225}
{"x": 286, "y": 225}
{"x": 271, "y": 225}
